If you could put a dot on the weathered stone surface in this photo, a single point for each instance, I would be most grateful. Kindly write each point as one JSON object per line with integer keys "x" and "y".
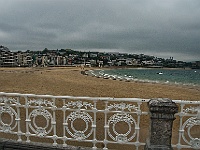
{"x": 162, "y": 116}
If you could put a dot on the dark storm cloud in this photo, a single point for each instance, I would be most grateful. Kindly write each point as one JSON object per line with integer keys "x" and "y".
{"x": 161, "y": 28}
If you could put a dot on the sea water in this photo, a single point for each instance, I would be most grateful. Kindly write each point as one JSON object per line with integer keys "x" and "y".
{"x": 168, "y": 76}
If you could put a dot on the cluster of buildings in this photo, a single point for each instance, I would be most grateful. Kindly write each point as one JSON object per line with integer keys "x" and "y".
{"x": 68, "y": 57}
{"x": 13, "y": 59}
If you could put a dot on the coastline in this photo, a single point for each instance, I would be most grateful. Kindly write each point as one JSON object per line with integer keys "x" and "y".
{"x": 99, "y": 73}
{"x": 70, "y": 81}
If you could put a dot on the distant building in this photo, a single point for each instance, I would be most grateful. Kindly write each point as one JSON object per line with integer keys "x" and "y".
{"x": 7, "y": 58}
{"x": 14, "y": 59}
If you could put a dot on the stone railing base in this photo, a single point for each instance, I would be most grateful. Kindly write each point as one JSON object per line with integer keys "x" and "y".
{"x": 6, "y": 144}
{"x": 156, "y": 147}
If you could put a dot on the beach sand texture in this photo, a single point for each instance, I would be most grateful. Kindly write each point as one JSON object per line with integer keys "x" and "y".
{"x": 69, "y": 81}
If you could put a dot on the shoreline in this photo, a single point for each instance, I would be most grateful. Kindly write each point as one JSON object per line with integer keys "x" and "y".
{"x": 134, "y": 67}
{"x": 70, "y": 81}
{"x": 136, "y": 80}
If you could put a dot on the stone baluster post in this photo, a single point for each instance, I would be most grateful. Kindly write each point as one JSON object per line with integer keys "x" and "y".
{"x": 162, "y": 116}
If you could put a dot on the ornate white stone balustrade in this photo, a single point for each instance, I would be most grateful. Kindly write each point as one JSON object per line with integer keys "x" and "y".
{"x": 98, "y": 121}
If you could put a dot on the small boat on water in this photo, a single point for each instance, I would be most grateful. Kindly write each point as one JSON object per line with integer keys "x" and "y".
{"x": 159, "y": 73}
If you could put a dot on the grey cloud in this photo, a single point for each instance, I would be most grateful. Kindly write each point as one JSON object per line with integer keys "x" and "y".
{"x": 141, "y": 26}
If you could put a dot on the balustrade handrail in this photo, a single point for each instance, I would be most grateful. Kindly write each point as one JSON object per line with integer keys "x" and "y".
{"x": 112, "y": 112}
{"x": 98, "y": 98}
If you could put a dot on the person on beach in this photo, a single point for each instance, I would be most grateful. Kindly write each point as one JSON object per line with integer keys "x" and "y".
{"x": 82, "y": 67}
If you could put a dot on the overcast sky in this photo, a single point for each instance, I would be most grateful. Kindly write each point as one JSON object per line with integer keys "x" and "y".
{"x": 163, "y": 28}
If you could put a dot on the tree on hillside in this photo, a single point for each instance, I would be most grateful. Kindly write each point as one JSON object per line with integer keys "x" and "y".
{"x": 45, "y": 51}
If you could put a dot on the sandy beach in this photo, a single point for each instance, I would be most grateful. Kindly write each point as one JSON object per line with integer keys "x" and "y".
{"x": 70, "y": 81}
